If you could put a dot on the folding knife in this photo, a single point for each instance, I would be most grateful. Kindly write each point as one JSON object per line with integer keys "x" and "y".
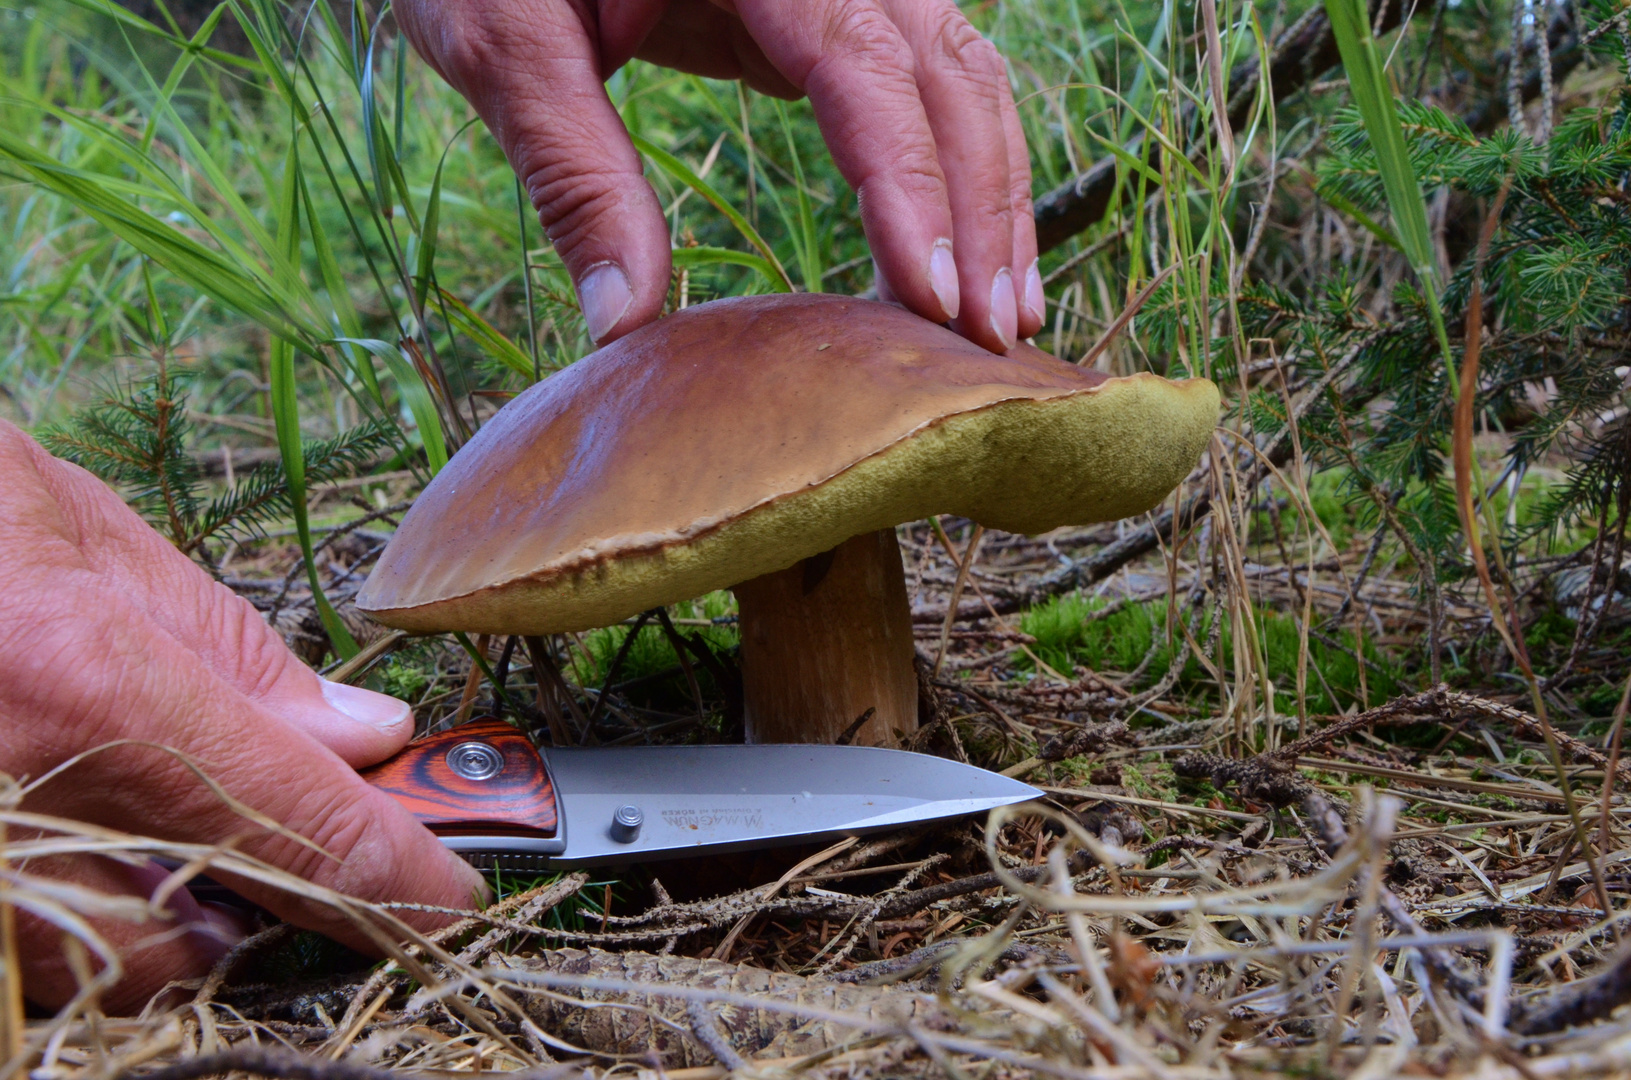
{"x": 495, "y": 799}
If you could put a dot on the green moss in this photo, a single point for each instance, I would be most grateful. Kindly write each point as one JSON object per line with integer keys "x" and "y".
{"x": 1153, "y": 780}
{"x": 403, "y": 679}
{"x": 1551, "y": 628}
{"x": 1339, "y": 667}
{"x": 1117, "y": 642}
{"x": 1066, "y": 636}
{"x": 652, "y": 653}
{"x": 1602, "y": 699}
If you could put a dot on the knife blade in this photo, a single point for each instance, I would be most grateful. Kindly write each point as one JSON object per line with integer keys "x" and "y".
{"x": 498, "y": 801}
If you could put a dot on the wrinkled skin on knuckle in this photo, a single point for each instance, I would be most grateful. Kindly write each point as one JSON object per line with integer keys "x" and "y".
{"x": 962, "y": 51}
{"x": 574, "y": 205}
{"x": 498, "y": 54}
{"x": 145, "y": 788}
{"x": 1019, "y": 198}
{"x": 915, "y": 176}
{"x": 251, "y": 759}
{"x": 369, "y": 861}
{"x": 866, "y": 95}
{"x": 375, "y": 864}
{"x": 468, "y": 44}
{"x": 448, "y": 37}
{"x": 331, "y": 819}
{"x": 993, "y": 212}
{"x": 862, "y": 36}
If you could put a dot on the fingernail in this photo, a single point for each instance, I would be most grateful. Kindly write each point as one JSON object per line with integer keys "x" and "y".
{"x": 1033, "y": 292}
{"x": 605, "y": 295}
{"x": 1004, "y": 309}
{"x": 380, "y": 711}
{"x": 227, "y": 924}
{"x": 943, "y": 278}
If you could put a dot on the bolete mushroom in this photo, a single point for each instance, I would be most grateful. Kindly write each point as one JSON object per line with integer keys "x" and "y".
{"x": 771, "y": 445}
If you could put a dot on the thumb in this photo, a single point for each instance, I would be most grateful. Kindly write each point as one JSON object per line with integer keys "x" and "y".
{"x": 534, "y": 74}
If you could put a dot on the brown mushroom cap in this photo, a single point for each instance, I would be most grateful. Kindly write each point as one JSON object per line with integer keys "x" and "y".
{"x": 735, "y": 438}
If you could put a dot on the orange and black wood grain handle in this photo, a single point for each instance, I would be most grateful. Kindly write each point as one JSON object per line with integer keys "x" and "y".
{"x": 483, "y": 777}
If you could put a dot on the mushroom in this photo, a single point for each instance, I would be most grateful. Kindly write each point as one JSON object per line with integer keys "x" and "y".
{"x": 771, "y": 444}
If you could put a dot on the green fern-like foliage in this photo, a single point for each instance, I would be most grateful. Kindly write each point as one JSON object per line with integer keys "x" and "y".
{"x": 263, "y": 495}
{"x": 1557, "y": 288}
{"x": 136, "y": 440}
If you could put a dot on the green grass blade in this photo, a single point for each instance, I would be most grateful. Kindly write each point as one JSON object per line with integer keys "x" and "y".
{"x": 127, "y": 20}
{"x": 400, "y": 105}
{"x": 1133, "y": 162}
{"x": 809, "y": 246}
{"x": 703, "y": 255}
{"x": 179, "y": 69}
{"x": 286, "y": 418}
{"x": 1368, "y": 84}
{"x": 426, "y": 259}
{"x": 682, "y": 172}
{"x": 221, "y": 185}
{"x": 1368, "y": 223}
{"x": 345, "y": 312}
{"x": 521, "y": 208}
{"x": 372, "y": 133}
{"x": 1372, "y": 94}
{"x": 389, "y": 183}
{"x": 229, "y": 281}
{"x": 427, "y": 234}
{"x": 413, "y": 390}
{"x": 488, "y": 338}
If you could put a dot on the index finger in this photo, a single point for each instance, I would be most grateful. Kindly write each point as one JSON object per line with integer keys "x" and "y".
{"x": 859, "y": 73}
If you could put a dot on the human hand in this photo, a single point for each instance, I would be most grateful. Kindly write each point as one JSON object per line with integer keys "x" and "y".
{"x": 913, "y": 102}
{"x": 108, "y": 633}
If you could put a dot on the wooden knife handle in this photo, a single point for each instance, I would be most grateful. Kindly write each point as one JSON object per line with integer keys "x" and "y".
{"x": 484, "y": 777}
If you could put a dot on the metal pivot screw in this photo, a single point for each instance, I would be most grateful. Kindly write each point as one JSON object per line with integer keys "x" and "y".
{"x": 475, "y": 761}
{"x": 626, "y": 822}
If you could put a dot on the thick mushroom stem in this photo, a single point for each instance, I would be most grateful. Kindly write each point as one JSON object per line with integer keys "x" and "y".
{"x": 824, "y": 641}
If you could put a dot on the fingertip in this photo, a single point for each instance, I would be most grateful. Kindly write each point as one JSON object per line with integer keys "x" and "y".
{"x": 943, "y": 279}
{"x": 1004, "y": 317}
{"x": 359, "y": 725}
{"x": 389, "y": 716}
{"x": 931, "y": 288}
{"x": 1033, "y": 306}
